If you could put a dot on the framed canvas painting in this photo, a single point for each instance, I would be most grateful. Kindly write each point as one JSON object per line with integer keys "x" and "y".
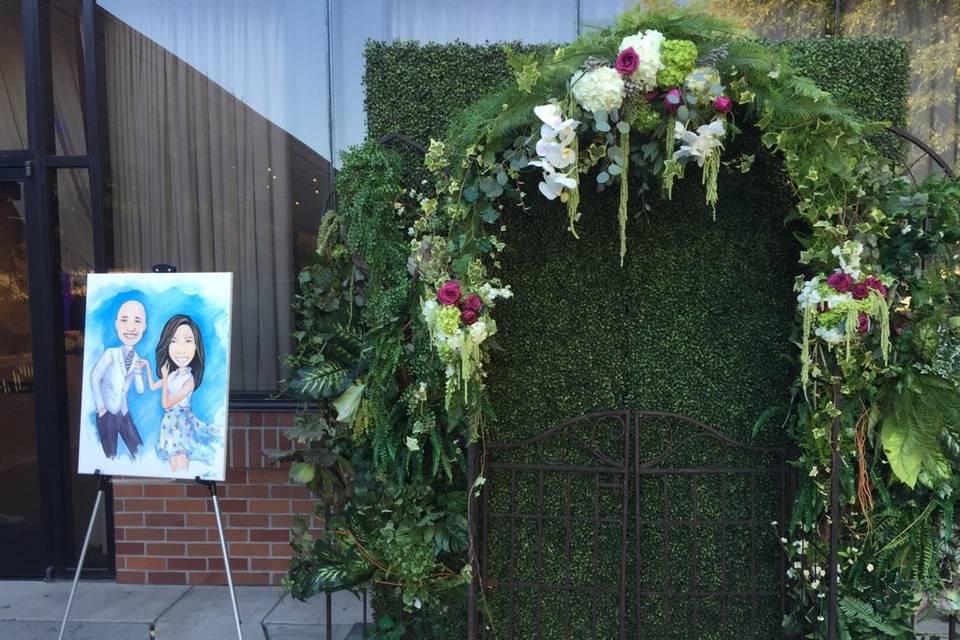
{"x": 156, "y": 375}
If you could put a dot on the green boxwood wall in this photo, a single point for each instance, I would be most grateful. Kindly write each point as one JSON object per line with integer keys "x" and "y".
{"x": 414, "y": 88}
{"x": 696, "y": 322}
{"x": 871, "y": 75}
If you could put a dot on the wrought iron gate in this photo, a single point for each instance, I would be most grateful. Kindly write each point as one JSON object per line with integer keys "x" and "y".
{"x": 630, "y": 524}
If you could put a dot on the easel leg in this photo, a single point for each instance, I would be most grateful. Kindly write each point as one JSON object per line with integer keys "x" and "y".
{"x": 212, "y": 486}
{"x": 102, "y": 481}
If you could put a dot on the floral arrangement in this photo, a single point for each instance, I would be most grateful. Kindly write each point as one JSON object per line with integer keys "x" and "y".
{"x": 652, "y": 78}
{"x": 459, "y": 323}
{"x": 843, "y": 306}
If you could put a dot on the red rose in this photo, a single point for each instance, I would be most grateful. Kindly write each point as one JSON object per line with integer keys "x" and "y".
{"x": 863, "y": 323}
{"x": 723, "y": 104}
{"x": 627, "y": 62}
{"x": 449, "y": 293}
{"x": 468, "y": 317}
{"x": 840, "y": 281}
{"x": 651, "y": 95}
{"x": 860, "y": 291}
{"x": 472, "y": 302}
{"x": 874, "y": 283}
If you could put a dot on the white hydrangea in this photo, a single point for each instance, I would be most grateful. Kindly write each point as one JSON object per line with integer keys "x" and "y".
{"x": 479, "y": 331}
{"x": 599, "y": 89}
{"x": 704, "y": 83}
{"x": 809, "y": 296}
{"x": 647, "y": 45}
{"x": 429, "y": 310}
{"x": 830, "y": 336}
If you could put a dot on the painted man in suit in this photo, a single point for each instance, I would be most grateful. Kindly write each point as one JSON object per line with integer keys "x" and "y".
{"x": 111, "y": 378}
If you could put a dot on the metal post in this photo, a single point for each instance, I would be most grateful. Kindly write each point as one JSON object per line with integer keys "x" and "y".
{"x": 212, "y": 486}
{"x": 834, "y": 555}
{"x": 472, "y": 537}
{"x": 365, "y": 615}
{"x": 102, "y": 481}
{"x": 327, "y": 596}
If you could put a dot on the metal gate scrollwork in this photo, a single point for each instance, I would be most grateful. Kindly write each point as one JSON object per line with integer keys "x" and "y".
{"x": 630, "y": 524}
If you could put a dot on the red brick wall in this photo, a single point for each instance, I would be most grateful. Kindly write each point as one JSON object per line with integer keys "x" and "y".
{"x": 166, "y": 532}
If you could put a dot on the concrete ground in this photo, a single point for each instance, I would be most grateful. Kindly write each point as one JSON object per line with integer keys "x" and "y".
{"x": 33, "y": 611}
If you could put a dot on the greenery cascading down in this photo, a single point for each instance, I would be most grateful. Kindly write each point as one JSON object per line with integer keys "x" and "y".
{"x": 387, "y": 441}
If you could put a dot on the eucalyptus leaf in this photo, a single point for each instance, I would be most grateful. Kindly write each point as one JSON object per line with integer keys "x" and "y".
{"x": 490, "y": 187}
{"x": 623, "y": 127}
{"x": 490, "y": 215}
{"x": 603, "y": 177}
{"x": 519, "y": 162}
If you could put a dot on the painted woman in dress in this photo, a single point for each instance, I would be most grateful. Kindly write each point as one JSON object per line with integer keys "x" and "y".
{"x": 183, "y": 437}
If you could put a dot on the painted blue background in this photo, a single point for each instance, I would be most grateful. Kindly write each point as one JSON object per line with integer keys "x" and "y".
{"x": 160, "y": 303}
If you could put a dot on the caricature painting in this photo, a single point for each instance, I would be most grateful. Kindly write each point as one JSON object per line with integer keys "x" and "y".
{"x": 156, "y": 369}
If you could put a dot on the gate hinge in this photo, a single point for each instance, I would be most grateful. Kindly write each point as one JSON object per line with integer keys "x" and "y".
{"x": 28, "y": 168}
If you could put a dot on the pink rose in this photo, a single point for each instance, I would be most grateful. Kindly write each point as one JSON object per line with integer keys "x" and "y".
{"x": 840, "y": 281}
{"x": 472, "y": 302}
{"x": 860, "y": 291}
{"x": 863, "y": 323}
{"x": 468, "y": 317}
{"x": 723, "y": 104}
{"x": 672, "y": 100}
{"x": 627, "y": 62}
{"x": 873, "y": 282}
{"x": 449, "y": 293}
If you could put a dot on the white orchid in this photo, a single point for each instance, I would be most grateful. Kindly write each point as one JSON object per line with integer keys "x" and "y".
{"x": 700, "y": 144}
{"x": 557, "y": 154}
{"x": 554, "y": 126}
{"x": 848, "y": 254}
{"x": 553, "y": 182}
{"x": 550, "y": 114}
{"x": 489, "y": 293}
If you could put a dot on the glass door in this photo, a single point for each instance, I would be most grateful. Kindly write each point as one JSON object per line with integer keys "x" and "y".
{"x": 21, "y": 519}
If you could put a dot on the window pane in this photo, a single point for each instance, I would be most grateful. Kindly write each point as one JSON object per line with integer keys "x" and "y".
{"x": 70, "y": 204}
{"x": 66, "y": 69}
{"x": 13, "y": 96}
{"x": 219, "y": 145}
